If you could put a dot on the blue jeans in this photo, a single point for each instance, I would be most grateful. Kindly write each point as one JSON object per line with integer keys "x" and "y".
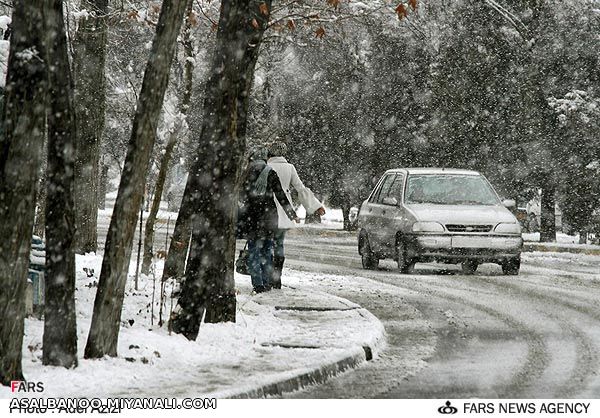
{"x": 278, "y": 243}
{"x": 260, "y": 261}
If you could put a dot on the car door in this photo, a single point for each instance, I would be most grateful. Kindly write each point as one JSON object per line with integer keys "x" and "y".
{"x": 366, "y": 215}
{"x": 391, "y": 214}
{"x": 379, "y": 212}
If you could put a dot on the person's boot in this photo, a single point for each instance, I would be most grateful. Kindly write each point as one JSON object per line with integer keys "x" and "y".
{"x": 260, "y": 289}
{"x": 277, "y": 267}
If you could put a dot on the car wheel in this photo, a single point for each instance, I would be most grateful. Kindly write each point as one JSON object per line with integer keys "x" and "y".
{"x": 405, "y": 265}
{"x": 369, "y": 259}
{"x": 469, "y": 266}
{"x": 511, "y": 266}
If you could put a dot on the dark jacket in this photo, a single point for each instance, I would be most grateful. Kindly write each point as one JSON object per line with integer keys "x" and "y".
{"x": 257, "y": 215}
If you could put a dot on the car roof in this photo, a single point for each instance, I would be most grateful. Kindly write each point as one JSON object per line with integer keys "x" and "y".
{"x": 433, "y": 170}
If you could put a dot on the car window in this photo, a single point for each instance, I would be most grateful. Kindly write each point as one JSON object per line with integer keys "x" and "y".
{"x": 396, "y": 189}
{"x": 449, "y": 189}
{"x": 385, "y": 187}
{"x": 373, "y": 197}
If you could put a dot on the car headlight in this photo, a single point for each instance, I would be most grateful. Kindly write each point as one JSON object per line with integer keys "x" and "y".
{"x": 427, "y": 227}
{"x": 508, "y": 228}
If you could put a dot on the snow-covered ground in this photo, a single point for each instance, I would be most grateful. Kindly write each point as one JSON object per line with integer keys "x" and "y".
{"x": 561, "y": 238}
{"x": 225, "y": 359}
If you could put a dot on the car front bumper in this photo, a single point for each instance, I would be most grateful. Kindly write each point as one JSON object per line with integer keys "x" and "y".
{"x": 460, "y": 247}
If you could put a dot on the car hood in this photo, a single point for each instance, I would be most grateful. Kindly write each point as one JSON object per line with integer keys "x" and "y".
{"x": 462, "y": 214}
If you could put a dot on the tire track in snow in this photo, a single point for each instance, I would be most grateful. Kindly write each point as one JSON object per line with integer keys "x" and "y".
{"x": 586, "y": 363}
{"x": 537, "y": 355}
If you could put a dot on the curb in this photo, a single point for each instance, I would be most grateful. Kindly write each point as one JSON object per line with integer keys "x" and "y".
{"x": 312, "y": 377}
{"x": 319, "y": 374}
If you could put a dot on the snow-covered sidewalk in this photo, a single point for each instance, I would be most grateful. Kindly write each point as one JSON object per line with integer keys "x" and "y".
{"x": 282, "y": 340}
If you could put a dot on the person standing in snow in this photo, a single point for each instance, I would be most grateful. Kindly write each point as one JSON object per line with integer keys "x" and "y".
{"x": 289, "y": 177}
{"x": 258, "y": 218}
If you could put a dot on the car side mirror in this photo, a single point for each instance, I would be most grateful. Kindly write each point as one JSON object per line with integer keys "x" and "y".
{"x": 509, "y": 203}
{"x": 391, "y": 201}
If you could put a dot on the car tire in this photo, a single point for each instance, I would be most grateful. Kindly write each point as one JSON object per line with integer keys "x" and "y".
{"x": 405, "y": 265}
{"x": 511, "y": 266}
{"x": 469, "y": 266}
{"x": 368, "y": 257}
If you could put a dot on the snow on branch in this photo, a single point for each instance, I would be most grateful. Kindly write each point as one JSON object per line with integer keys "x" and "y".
{"x": 576, "y": 104}
{"x": 511, "y": 18}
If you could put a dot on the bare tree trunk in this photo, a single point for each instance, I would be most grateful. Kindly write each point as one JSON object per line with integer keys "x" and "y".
{"x": 39, "y": 224}
{"x": 213, "y": 183}
{"x": 547, "y": 215}
{"x": 89, "y": 66}
{"x": 23, "y": 120}
{"x": 104, "y": 331}
{"x": 178, "y": 247}
{"x": 60, "y": 319}
{"x": 103, "y": 185}
{"x": 171, "y": 144}
{"x": 346, "y": 217}
{"x": 151, "y": 220}
{"x": 39, "y": 227}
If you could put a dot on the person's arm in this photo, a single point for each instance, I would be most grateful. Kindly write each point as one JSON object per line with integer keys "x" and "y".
{"x": 275, "y": 185}
{"x": 305, "y": 195}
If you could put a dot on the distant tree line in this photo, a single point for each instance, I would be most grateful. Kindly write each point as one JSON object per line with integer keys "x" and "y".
{"x": 509, "y": 88}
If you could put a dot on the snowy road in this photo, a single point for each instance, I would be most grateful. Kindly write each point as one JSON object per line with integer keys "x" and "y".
{"x": 455, "y": 336}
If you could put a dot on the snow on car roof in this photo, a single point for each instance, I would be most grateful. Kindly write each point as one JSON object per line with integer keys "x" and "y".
{"x": 433, "y": 170}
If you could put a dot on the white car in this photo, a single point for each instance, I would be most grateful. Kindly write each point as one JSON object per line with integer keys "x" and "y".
{"x": 434, "y": 214}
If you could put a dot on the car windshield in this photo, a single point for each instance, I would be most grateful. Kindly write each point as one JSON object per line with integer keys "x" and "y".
{"x": 449, "y": 189}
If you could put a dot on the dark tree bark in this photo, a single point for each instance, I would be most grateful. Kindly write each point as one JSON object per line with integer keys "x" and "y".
{"x": 213, "y": 184}
{"x": 167, "y": 156}
{"x": 547, "y": 215}
{"x": 102, "y": 185}
{"x": 23, "y": 120}
{"x": 104, "y": 331}
{"x": 60, "y": 322}
{"x": 346, "y": 217}
{"x": 39, "y": 223}
{"x": 89, "y": 66}
{"x": 178, "y": 247}
{"x": 39, "y": 227}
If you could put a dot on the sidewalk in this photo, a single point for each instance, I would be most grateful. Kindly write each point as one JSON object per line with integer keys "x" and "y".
{"x": 282, "y": 340}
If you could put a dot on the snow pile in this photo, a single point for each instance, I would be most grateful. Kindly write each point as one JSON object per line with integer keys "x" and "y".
{"x": 276, "y": 336}
{"x": 333, "y": 219}
{"x": 561, "y": 238}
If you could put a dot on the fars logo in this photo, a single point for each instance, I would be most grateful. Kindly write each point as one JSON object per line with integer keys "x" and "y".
{"x": 21, "y": 386}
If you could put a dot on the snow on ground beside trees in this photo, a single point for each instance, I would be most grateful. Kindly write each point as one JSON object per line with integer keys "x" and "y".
{"x": 4, "y": 49}
{"x": 225, "y": 359}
